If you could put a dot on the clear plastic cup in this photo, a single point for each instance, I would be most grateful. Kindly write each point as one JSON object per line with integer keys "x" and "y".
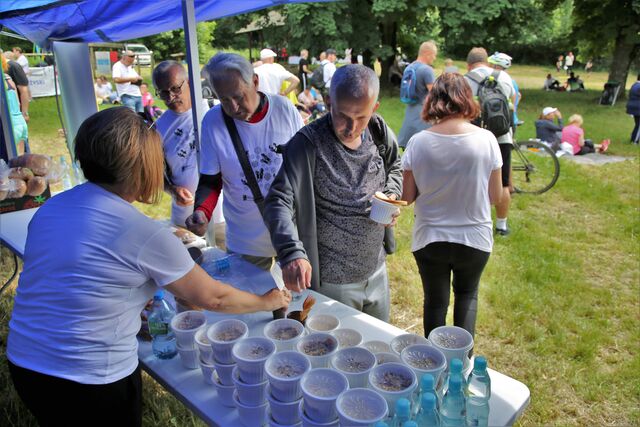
{"x": 207, "y": 371}
{"x": 225, "y": 372}
{"x": 285, "y": 333}
{"x": 424, "y": 359}
{"x": 249, "y": 394}
{"x": 355, "y": 363}
{"x": 251, "y": 416}
{"x": 185, "y": 325}
{"x": 225, "y": 392}
{"x": 382, "y": 358}
{"x": 322, "y": 323}
{"x": 401, "y": 341}
{"x": 320, "y": 389}
{"x": 376, "y": 346}
{"x": 189, "y": 357}
{"x": 308, "y": 422}
{"x": 250, "y": 355}
{"x": 223, "y": 335}
{"x": 347, "y": 337}
{"x": 382, "y": 212}
{"x": 361, "y": 407}
{"x": 204, "y": 345}
{"x": 284, "y": 371}
{"x": 318, "y": 347}
{"x": 285, "y": 413}
{"x": 393, "y": 381}
{"x": 454, "y": 342}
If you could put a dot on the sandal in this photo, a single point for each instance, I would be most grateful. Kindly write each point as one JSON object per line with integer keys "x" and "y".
{"x": 604, "y": 146}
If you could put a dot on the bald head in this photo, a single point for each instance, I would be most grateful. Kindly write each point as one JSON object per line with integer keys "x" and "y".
{"x": 428, "y": 52}
{"x": 166, "y": 69}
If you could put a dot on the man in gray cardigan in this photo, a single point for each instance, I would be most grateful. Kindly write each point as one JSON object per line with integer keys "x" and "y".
{"x": 317, "y": 210}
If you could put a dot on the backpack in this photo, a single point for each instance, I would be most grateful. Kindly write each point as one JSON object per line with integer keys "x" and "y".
{"x": 495, "y": 115}
{"x": 408, "y": 93}
{"x": 317, "y": 78}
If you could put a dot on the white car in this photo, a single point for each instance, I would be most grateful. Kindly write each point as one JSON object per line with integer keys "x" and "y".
{"x": 143, "y": 55}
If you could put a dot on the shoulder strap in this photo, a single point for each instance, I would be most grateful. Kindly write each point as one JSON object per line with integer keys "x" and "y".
{"x": 495, "y": 74}
{"x": 476, "y": 77}
{"x": 252, "y": 182}
{"x": 379, "y": 136}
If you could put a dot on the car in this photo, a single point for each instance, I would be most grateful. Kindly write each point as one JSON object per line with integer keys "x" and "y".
{"x": 143, "y": 54}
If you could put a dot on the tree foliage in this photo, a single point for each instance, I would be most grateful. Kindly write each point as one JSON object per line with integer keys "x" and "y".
{"x": 170, "y": 42}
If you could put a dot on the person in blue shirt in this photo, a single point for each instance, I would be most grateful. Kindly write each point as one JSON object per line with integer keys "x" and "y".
{"x": 633, "y": 108}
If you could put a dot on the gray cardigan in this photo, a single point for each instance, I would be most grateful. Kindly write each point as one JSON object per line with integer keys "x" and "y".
{"x": 289, "y": 209}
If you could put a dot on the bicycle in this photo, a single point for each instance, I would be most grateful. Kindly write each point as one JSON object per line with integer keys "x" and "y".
{"x": 535, "y": 167}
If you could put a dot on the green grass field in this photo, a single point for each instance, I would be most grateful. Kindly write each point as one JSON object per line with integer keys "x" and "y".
{"x": 559, "y": 300}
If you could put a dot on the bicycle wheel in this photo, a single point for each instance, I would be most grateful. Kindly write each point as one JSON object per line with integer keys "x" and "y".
{"x": 535, "y": 167}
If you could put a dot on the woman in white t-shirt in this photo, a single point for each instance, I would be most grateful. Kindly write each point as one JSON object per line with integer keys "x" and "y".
{"x": 452, "y": 172}
{"x": 91, "y": 263}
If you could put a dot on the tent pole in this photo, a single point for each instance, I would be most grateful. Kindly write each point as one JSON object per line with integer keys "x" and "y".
{"x": 7, "y": 127}
{"x": 193, "y": 62}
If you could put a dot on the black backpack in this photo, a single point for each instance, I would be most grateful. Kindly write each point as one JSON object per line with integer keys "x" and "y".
{"x": 495, "y": 115}
{"x": 317, "y": 78}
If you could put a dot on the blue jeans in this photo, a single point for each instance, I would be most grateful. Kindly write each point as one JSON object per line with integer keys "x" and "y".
{"x": 133, "y": 102}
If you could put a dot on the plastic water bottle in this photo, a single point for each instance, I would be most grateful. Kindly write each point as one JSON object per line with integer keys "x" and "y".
{"x": 455, "y": 368}
{"x": 427, "y": 385}
{"x": 66, "y": 178}
{"x": 77, "y": 174}
{"x": 428, "y": 414}
{"x": 164, "y": 341}
{"x": 453, "y": 407}
{"x": 403, "y": 412}
{"x": 479, "y": 393}
{"x": 409, "y": 424}
{"x": 381, "y": 424}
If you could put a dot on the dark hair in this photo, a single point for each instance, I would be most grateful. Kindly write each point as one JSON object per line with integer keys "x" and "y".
{"x": 450, "y": 96}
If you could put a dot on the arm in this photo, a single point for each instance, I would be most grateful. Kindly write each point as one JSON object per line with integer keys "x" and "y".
{"x": 409, "y": 187}
{"x": 495, "y": 186}
{"x": 199, "y": 288}
{"x": 23, "y": 91}
{"x": 207, "y": 194}
{"x": 393, "y": 166}
{"x": 126, "y": 79}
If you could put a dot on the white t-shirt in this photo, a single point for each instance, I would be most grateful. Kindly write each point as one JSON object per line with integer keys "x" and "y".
{"x": 181, "y": 154}
{"x": 271, "y": 77}
{"x": 452, "y": 175}
{"x": 246, "y": 232}
{"x": 121, "y": 70}
{"x": 103, "y": 90}
{"x": 92, "y": 261}
{"x": 506, "y": 87}
{"x": 24, "y": 63}
{"x": 327, "y": 72}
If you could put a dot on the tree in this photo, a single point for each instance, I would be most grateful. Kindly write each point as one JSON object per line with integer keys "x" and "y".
{"x": 169, "y": 42}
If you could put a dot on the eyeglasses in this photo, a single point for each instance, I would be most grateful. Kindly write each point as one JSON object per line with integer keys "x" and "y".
{"x": 176, "y": 90}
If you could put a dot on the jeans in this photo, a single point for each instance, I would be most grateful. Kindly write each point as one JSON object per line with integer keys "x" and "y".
{"x": 635, "y": 134}
{"x": 436, "y": 262}
{"x": 133, "y": 102}
{"x": 371, "y": 296}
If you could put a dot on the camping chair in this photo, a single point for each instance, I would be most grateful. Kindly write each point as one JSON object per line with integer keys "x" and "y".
{"x": 610, "y": 93}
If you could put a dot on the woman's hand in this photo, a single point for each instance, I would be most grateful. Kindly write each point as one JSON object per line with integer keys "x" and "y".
{"x": 276, "y": 299}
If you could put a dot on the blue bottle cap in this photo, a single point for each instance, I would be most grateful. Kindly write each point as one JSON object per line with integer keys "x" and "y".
{"x": 159, "y": 295}
{"x": 426, "y": 382}
{"x": 403, "y": 407}
{"x": 381, "y": 424}
{"x": 455, "y": 366}
{"x": 409, "y": 424}
{"x": 428, "y": 400}
{"x": 480, "y": 363}
{"x": 455, "y": 382}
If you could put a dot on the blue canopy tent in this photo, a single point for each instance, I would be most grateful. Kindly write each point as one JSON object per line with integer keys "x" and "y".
{"x": 67, "y": 26}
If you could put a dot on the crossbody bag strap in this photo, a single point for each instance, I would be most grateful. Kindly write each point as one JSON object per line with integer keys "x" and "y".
{"x": 252, "y": 182}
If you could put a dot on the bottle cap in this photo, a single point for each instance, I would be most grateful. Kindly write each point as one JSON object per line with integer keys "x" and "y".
{"x": 403, "y": 407}
{"x": 409, "y": 424}
{"x": 428, "y": 400}
{"x": 426, "y": 382}
{"x": 480, "y": 363}
{"x": 381, "y": 424}
{"x": 455, "y": 366}
{"x": 455, "y": 383}
{"x": 159, "y": 295}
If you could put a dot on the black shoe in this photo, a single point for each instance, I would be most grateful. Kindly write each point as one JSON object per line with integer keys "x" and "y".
{"x": 503, "y": 231}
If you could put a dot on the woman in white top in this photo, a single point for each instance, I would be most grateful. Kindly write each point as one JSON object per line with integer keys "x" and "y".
{"x": 91, "y": 263}
{"x": 453, "y": 173}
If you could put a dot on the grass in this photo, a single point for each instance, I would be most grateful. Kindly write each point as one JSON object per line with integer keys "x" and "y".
{"x": 559, "y": 300}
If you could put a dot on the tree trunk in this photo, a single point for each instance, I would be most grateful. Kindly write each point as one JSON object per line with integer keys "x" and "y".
{"x": 389, "y": 32}
{"x": 625, "y": 51}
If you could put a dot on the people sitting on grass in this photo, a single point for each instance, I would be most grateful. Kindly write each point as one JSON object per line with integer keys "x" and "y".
{"x": 574, "y": 83}
{"x": 574, "y": 135}
{"x": 551, "y": 83}
{"x": 104, "y": 91}
{"x": 547, "y": 130}
{"x": 312, "y": 101}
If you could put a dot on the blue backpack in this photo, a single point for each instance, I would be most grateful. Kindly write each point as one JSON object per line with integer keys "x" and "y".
{"x": 408, "y": 92}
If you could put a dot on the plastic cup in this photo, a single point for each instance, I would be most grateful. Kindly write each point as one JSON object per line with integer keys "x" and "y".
{"x": 284, "y": 371}
{"x": 401, "y": 341}
{"x": 454, "y": 342}
{"x": 285, "y": 413}
{"x": 308, "y": 422}
{"x": 249, "y": 394}
{"x": 274, "y": 423}
{"x": 322, "y": 323}
{"x": 225, "y": 372}
{"x": 318, "y": 347}
{"x": 376, "y": 346}
{"x": 382, "y": 358}
{"x": 361, "y": 407}
{"x": 223, "y": 335}
{"x": 355, "y": 363}
{"x": 251, "y": 416}
{"x": 207, "y": 371}
{"x": 185, "y": 325}
{"x": 381, "y": 211}
{"x": 347, "y": 337}
{"x": 204, "y": 345}
{"x": 285, "y": 333}
{"x": 320, "y": 389}
{"x": 424, "y": 359}
{"x": 393, "y": 381}
{"x": 250, "y": 355}
{"x": 189, "y": 357}
{"x": 225, "y": 392}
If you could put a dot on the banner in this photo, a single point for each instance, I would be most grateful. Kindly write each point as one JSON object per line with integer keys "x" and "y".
{"x": 103, "y": 63}
{"x": 41, "y": 82}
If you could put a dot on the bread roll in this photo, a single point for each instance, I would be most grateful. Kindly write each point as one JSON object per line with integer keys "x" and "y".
{"x": 3, "y": 194}
{"x": 38, "y": 163}
{"x": 24, "y": 174}
{"x": 36, "y": 186}
{"x": 17, "y": 189}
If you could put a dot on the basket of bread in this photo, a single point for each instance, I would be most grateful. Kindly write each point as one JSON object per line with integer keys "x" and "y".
{"x": 24, "y": 182}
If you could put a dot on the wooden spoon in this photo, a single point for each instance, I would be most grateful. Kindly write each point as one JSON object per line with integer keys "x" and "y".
{"x": 380, "y": 195}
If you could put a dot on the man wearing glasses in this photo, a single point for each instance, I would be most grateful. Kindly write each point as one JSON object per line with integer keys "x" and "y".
{"x": 128, "y": 82}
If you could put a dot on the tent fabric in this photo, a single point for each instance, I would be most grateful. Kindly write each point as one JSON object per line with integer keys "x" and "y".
{"x": 45, "y": 21}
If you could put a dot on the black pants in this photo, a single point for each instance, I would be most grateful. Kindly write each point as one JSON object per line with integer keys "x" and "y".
{"x": 436, "y": 262}
{"x": 59, "y": 402}
{"x": 587, "y": 148}
{"x": 635, "y": 134}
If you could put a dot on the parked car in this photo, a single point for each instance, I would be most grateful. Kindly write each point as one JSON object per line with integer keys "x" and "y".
{"x": 143, "y": 55}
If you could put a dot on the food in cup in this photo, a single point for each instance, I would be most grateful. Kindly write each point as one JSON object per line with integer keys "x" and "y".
{"x": 448, "y": 340}
{"x": 257, "y": 351}
{"x": 190, "y": 322}
{"x": 289, "y": 370}
{"x": 230, "y": 334}
{"x": 394, "y": 381}
{"x": 318, "y": 348}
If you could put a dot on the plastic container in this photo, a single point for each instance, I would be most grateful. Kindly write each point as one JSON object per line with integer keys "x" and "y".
{"x": 164, "y": 341}
{"x": 381, "y": 211}
{"x": 322, "y": 323}
{"x": 361, "y": 407}
{"x": 424, "y": 359}
{"x": 204, "y": 345}
{"x": 402, "y": 413}
{"x": 285, "y": 413}
{"x": 479, "y": 394}
{"x": 428, "y": 413}
{"x": 185, "y": 325}
{"x": 251, "y": 416}
{"x": 320, "y": 389}
{"x": 355, "y": 363}
{"x": 308, "y": 422}
{"x": 376, "y": 346}
{"x": 319, "y": 347}
{"x": 207, "y": 371}
{"x": 382, "y": 358}
{"x": 284, "y": 371}
{"x": 225, "y": 392}
{"x": 189, "y": 357}
{"x": 250, "y": 355}
{"x": 249, "y": 394}
{"x": 453, "y": 407}
{"x": 453, "y": 341}
{"x": 393, "y": 381}
{"x": 225, "y": 372}
{"x": 274, "y": 423}
{"x": 223, "y": 335}
{"x": 347, "y": 337}
{"x": 401, "y": 341}
{"x": 285, "y": 333}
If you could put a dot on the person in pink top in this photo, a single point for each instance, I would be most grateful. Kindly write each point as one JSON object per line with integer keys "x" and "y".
{"x": 151, "y": 111}
{"x": 574, "y": 135}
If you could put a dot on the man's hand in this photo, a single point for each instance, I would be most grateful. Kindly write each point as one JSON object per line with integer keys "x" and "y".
{"x": 197, "y": 223}
{"x": 276, "y": 299}
{"x": 297, "y": 275}
{"x": 394, "y": 221}
{"x": 183, "y": 196}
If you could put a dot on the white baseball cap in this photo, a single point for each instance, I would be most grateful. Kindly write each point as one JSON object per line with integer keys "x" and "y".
{"x": 548, "y": 110}
{"x": 267, "y": 53}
